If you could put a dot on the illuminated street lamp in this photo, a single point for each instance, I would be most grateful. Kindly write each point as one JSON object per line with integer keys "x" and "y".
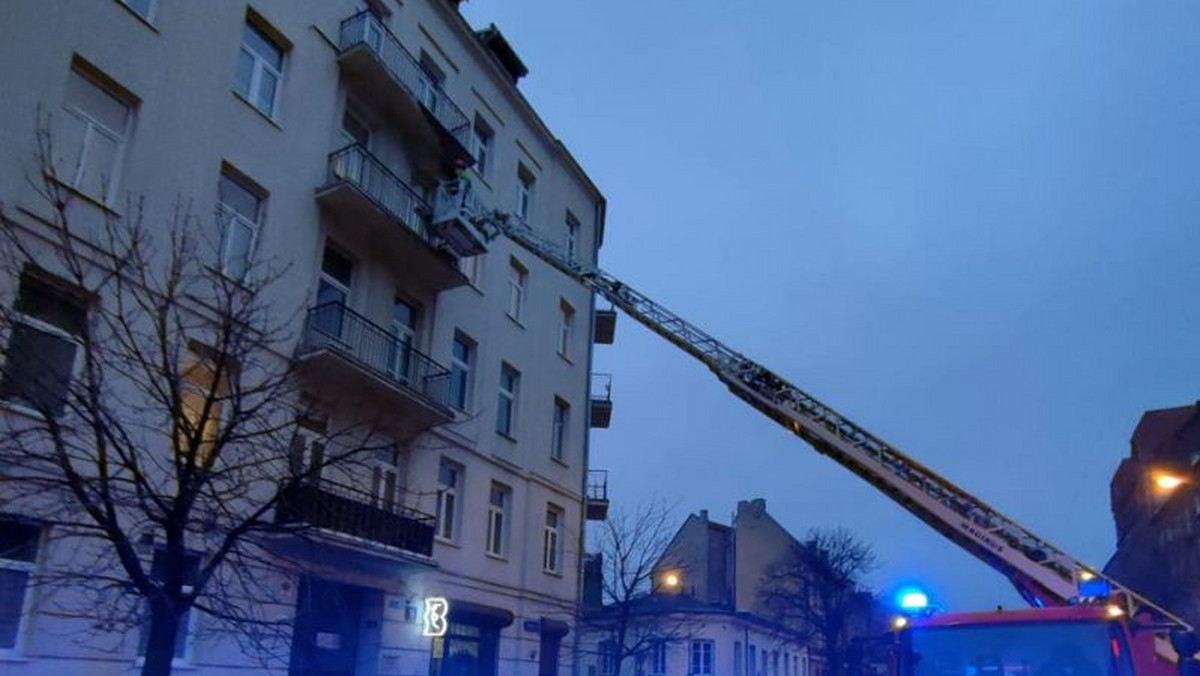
{"x": 1166, "y": 481}
{"x": 671, "y": 580}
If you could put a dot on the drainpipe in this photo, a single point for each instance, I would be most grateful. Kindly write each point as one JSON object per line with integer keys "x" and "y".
{"x": 587, "y": 443}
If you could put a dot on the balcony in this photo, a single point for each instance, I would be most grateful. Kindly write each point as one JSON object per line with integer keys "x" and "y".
{"x": 604, "y": 327}
{"x": 356, "y": 363}
{"x": 374, "y": 63}
{"x": 348, "y": 511}
{"x": 597, "y": 494}
{"x": 373, "y": 210}
{"x": 601, "y": 406}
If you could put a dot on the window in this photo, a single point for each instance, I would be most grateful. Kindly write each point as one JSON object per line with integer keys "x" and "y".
{"x": 201, "y": 399}
{"x": 738, "y": 667}
{"x": 432, "y": 78}
{"x": 552, "y": 539}
{"x": 94, "y": 132}
{"x": 525, "y": 183}
{"x": 306, "y": 456}
{"x": 506, "y": 407}
{"x": 775, "y": 663}
{"x": 752, "y": 660}
{"x": 240, "y": 214}
{"x": 43, "y": 348}
{"x": 559, "y": 428}
{"x": 183, "y": 637}
{"x": 700, "y": 658}
{"x": 18, "y": 558}
{"x": 518, "y": 275}
{"x": 462, "y": 354}
{"x": 470, "y": 267}
{"x": 333, "y": 290}
{"x": 354, "y": 130}
{"x": 404, "y": 328}
{"x": 572, "y": 236}
{"x": 608, "y": 657}
{"x": 385, "y": 485}
{"x": 658, "y": 658}
{"x": 481, "y": 140}
{"x": 566, "y": 328}
{"x": 499, "y": 501}
{"x": 143, "y": 8}
{"x": 762, "y": 667}
{"x": 787, "y": 662}
{"x": 449, "y": 479}
{"x": 259, "y": 70}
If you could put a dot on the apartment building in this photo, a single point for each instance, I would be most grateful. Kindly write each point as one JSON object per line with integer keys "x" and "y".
{"x": 1155, "y": 506}
{"x": 324, "y": 133}
{"x": 705, "y": 615}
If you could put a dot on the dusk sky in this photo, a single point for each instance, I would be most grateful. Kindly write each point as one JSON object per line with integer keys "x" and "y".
{"x": 972, "y": 227}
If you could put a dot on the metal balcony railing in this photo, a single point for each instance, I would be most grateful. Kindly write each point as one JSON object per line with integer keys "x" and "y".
{"x": 323, "y": 504}
{"x": 365, "y": 29}
{"x": 333, "y": 326}
{"x": 597, "y": 485}
{"x": 601, "y": 387}
{"x": 354, "y": 165}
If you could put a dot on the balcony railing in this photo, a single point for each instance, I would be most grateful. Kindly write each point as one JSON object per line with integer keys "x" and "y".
{"x": 365, "y": 29}
{"x": 343, "y": 509}
{"x": 335, "y": 327}
{"x": 597, "y": 485}
{"x": 354, "y": 165}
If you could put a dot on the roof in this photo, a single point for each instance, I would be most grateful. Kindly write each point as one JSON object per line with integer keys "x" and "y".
{"x": 1157, "y": 427}
{"x": 682, "y": 604}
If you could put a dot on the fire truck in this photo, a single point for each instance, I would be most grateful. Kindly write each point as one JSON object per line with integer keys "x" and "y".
{"x": 1081, "y": 623}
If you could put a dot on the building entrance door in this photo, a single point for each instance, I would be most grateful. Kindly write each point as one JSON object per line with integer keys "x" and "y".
{"x": 325, "y": 638}
{"x": 465, "y": 650}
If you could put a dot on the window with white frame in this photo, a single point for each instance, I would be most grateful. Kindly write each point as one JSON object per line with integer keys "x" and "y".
{"x": 700, "y": 657}
{"x": 559, "y": 428}
{"x": 506, "y": 404}
{"x": 202, "y": 397}
{"x": 385, "y": 485}
{"x": 93, "y": 135}
{"x": 525, "y": 183}
{"x": 187, "y": 628}
{"x": 499, "y": 503}
{"x": 306, "y": 456}
{"x": 552, "y": 540}
{"x": 518, "y": 276}
{"x": 470, "y": 267}
{"x": 738, "y": 667}
{"x": 143, "y": 8}
{"x": 449, "y": 480}
{"x": 240, "y": 212}
{"x": 572, "y": 241}
{"x": 431, "y": 78}
{"x": 43, "y": 351}
{"x": 462, "y": 355}
{"x": 481, "y": 141}
{"x": 259, "y": 72}
{"x": 658, "y": 658}
{"x": 566, "y": 328}
{"x": 18, "y": 559}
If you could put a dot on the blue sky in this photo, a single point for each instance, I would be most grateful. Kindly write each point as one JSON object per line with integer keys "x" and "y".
{"x": 972, "y": 227}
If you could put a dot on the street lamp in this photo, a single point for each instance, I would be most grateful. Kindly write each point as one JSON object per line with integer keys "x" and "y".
{"x": 671, "y": 580}
{"x": 1166, "y": 481}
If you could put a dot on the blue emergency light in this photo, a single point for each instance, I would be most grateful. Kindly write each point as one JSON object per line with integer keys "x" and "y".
{"x": 1097, "y": 588}
{"x": 911, "y": 599}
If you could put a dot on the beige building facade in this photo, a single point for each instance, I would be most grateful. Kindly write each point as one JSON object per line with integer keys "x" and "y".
{"x": 323, "y": 132}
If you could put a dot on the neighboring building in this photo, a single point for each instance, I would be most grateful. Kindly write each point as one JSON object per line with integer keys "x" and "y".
{"x": 1156, "y": 509}
{"x": 323, "y": 129}
{"x": 706, "y": 605}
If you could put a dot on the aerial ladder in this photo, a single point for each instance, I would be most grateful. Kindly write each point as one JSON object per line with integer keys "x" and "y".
{"x": 1043, "y": 574}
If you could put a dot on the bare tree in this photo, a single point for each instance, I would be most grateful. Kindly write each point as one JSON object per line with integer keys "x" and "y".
{"x": 819, "y": 590}
{"x": 161, "y": 411}
{"x": 635, "y": 615}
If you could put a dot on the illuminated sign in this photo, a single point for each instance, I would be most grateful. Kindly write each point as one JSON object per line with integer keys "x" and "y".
{"x": 436, "y": 609}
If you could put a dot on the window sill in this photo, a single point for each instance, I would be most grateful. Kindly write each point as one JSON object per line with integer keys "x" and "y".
{"x": 176, "y": 663}
{"x": 553, "y": 573}
{"x": 139, "y": 17}
{"x": 83, "y": 195}
{"x": 19, "y": 409}
{"x": 507, "y": 436}
{"x": 559, "y": 461}
{"x": 448, "y": 543}
{"x": 481, "y": 177}
{"x": 566, "y": 358}
{"x": 496, "y": 557}
{"x": 516, "y": 321}
{"x": 255, "y": 108}
{"x": 13, "y": 657}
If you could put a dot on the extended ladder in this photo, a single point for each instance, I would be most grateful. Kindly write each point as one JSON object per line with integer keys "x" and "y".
{"x": 1042, "y": 573}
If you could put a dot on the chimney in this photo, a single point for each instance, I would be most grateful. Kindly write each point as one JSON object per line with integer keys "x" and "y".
{"x": 755, "y": 507}
{"x": 704, "y": 515}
